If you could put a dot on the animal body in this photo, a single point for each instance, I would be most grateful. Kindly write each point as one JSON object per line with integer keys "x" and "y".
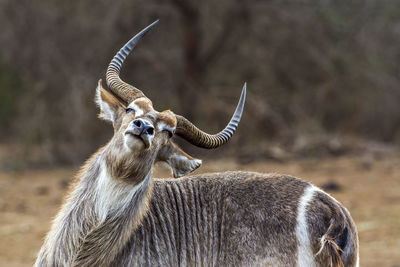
{"x": 117, "y": 214}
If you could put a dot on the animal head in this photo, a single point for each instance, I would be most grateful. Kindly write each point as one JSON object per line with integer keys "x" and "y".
{"x": 142, "y": 135}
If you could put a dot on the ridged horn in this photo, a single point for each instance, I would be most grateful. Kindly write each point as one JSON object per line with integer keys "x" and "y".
{"x": 197, "y": 137}
{"x": 123, "y": 90}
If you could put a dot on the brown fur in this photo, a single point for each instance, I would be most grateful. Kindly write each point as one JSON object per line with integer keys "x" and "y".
{"x": 118, "y": 215}
{"x": 219, "y": 219}
{"x": 168, "y": 117}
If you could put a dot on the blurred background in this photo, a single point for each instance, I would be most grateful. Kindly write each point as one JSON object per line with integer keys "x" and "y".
{"x": 322, "y": 102}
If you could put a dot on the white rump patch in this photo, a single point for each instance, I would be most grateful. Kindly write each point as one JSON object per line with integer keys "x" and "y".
{"x": 305, "y": 257}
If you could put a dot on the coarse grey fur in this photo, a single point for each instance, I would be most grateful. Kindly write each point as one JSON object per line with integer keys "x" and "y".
{"x": 218, "y": 219}
{"x": 117, "y": 214}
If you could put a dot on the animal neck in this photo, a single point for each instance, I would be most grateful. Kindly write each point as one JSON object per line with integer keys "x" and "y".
{"x": 98, "y": 208}
{"x": 112, "y": 196}
{"x": 124, "y": 165}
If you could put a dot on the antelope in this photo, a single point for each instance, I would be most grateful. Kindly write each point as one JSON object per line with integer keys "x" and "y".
{"x": 117, "y": 214}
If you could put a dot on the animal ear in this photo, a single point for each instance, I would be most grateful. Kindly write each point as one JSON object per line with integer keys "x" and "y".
{"x": 109, "y": 105}
{"x": 180, "y": 162}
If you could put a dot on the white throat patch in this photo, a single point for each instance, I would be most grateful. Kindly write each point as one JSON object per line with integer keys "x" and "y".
{"x": 112, "y": 195}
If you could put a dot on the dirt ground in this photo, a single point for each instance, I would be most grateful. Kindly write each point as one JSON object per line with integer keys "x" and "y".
{"x": 370, "y": 189}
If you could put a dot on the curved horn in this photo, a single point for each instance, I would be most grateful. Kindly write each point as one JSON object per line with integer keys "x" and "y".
{"x": 125, "y": 91}
{"x": 195, "y": 136}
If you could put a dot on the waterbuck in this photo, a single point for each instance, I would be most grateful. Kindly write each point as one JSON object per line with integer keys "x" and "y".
{"x": 117, "y": 214}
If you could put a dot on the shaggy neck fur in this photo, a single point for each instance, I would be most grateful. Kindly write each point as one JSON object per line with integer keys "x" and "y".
{"x": 124, "y": 165}
{"x": 103, "y": 206}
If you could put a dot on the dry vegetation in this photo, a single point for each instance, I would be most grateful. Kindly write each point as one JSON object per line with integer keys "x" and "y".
{"x": 369, "y": 188}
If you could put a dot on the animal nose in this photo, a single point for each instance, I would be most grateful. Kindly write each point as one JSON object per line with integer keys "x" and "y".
{"x": 143, "y": 127}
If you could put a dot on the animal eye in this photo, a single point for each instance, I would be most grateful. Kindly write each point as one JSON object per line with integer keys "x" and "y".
{"x": 170, "y": 134}
{"x": 128, "y": 110}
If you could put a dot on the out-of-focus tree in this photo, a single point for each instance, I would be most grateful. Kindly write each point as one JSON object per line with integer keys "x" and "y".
{"x": 312, "y": 67}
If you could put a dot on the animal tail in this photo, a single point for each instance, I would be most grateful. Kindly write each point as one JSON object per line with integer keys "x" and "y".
{"x": 340, "y": 241}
